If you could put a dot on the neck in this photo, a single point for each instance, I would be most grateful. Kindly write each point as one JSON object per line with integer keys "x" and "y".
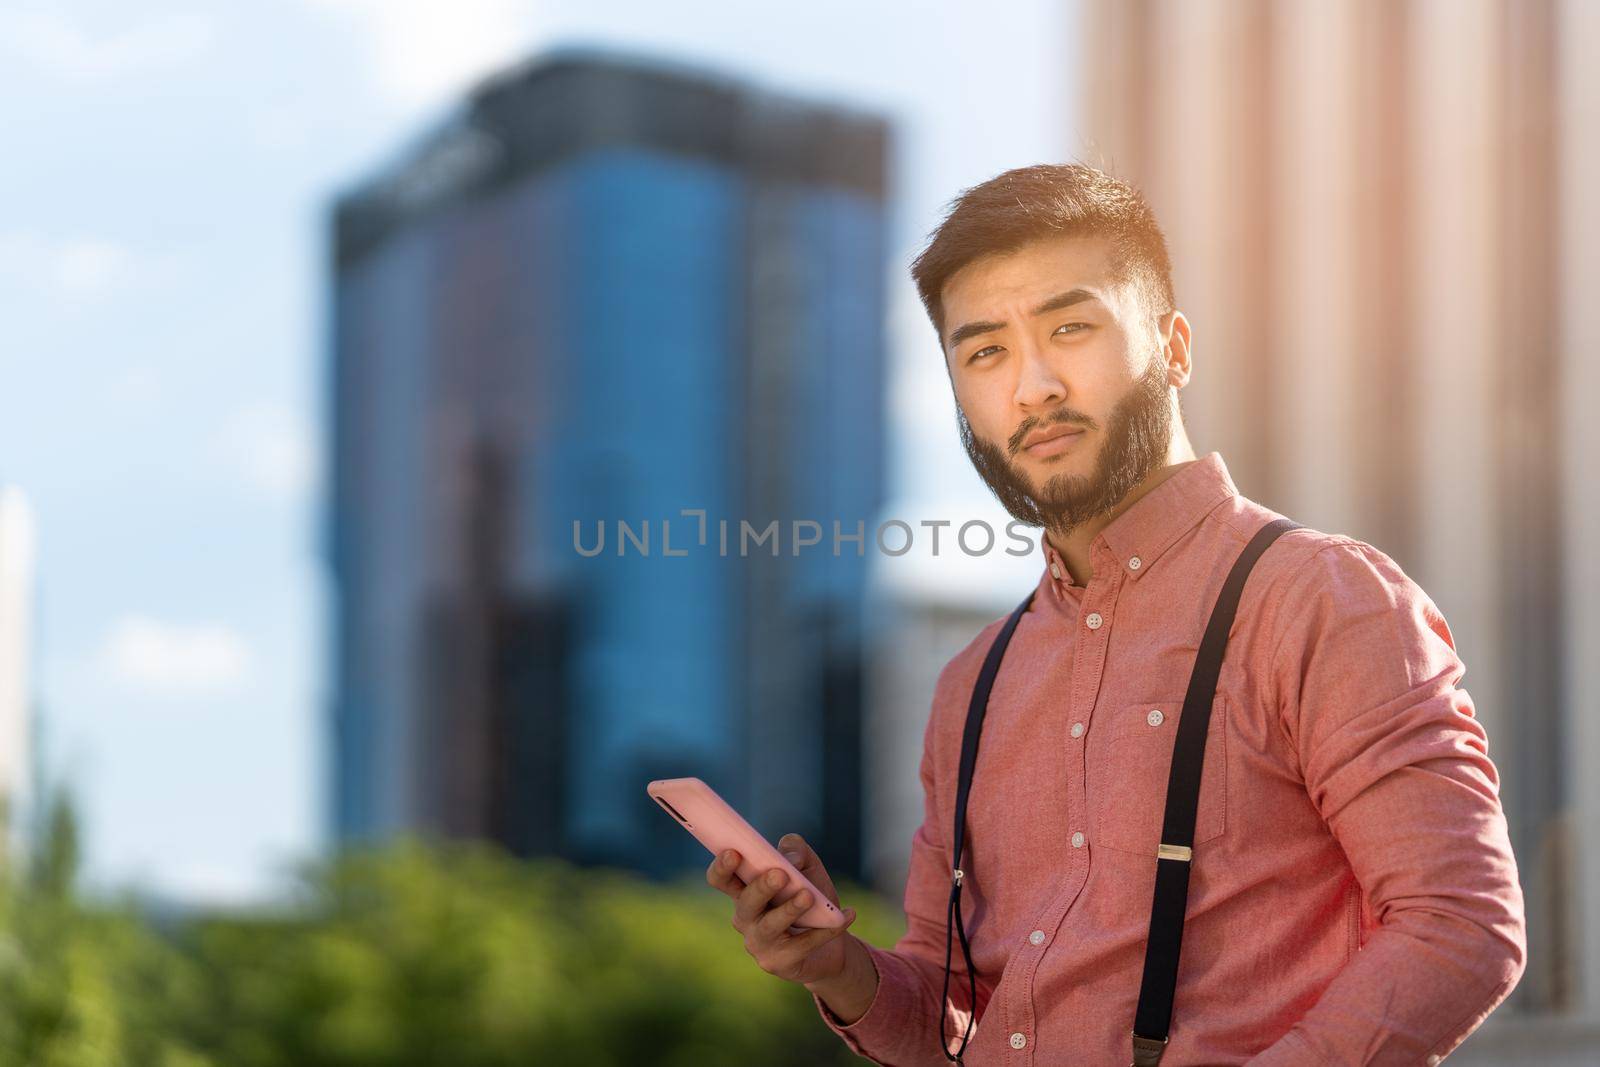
{"x": 1074, "y": 544}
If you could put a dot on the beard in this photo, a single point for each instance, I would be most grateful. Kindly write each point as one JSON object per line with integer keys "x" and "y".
{"x": 1137, "y": 438}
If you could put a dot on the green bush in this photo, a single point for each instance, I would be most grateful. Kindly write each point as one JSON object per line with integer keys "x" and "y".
{"x": 413, "y": 954}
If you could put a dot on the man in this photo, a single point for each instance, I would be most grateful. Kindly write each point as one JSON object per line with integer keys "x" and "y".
{"x": 1353, "y": 898}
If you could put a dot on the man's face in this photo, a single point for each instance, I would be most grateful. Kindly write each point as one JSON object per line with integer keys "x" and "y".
{"x": 1042, "y": 341}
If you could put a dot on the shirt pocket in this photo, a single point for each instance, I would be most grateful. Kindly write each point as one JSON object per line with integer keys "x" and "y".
{"x": 1137, "y": 759}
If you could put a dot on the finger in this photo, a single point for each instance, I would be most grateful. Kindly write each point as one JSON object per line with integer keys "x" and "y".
{"x": 802, "y": 945}
{"x": 777, "y": 920}
{"x": 753, "y": 901}
{"x": 722, "y": 874}
{"x": 808, "y": 864}
{"x": 793, "y": 846}
{"x": 787, "y": 915}
{"x": 792, "y": 955}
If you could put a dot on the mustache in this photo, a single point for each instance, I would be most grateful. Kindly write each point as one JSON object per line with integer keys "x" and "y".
{"x": 1015, "y": 442}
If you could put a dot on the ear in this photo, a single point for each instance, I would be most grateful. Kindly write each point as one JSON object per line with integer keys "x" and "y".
{"x": 1173, "y": 334}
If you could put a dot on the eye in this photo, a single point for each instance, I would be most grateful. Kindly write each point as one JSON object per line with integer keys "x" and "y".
{"x": 1069, "y": 327}
{"x": 982, "y": 352}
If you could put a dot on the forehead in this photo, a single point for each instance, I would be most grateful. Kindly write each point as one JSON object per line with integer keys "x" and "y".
{"x": 1034, "y": 272}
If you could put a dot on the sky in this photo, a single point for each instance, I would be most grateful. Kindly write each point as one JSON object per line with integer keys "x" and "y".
{"x": 163, "y": 208}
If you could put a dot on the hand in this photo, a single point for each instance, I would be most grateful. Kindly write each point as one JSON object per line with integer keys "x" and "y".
{"x": 807, "y": 957}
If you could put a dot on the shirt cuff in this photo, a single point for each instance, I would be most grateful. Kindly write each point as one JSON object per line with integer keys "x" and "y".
{"x": 889, "y": 1026}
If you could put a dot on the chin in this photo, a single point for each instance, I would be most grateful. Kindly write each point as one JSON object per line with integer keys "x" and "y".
{"x": 1052, "y": 464}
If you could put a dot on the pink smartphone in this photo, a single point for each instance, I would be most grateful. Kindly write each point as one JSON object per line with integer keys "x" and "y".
{"x": 698, "y": 808}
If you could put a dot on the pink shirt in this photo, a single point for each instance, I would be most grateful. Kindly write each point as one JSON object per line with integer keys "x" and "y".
{"x": 1353, "y": 897}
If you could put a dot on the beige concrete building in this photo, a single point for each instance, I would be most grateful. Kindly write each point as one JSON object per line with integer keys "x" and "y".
{"x": 1385, "y": 234}
{"x": 16, "y": 610}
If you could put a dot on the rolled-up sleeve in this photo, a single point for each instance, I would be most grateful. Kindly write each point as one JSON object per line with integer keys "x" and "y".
{"x": 900, "y": 1026}
{"x": 1395, "y": 760}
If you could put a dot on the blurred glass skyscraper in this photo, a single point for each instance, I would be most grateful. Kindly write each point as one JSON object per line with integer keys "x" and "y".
{"x": 605, "y": 290}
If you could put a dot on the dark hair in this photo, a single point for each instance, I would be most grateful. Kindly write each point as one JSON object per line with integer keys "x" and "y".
{"x": 1023, "y": 205}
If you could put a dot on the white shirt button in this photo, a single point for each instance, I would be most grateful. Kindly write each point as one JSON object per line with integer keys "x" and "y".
{"x": 1077, "y": 839}
{"x": 1018, "y": 1039}
{"x": 1094, "y": 620}
{"x": 1055, "y": 572}
{"x": 1155, "y": 717}
{"x": 1077, "y": 729}
{"x": 1037, "y": 937}
{"x": 1135, "y": 563}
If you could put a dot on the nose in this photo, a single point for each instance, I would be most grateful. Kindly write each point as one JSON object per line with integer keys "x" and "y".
{"x": 1038, "y": 385}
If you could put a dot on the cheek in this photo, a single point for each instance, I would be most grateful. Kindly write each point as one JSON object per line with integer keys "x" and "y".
{"x": 1130, "y": 354}
{"x": 1104, "y": 377}
{"x": 979, "y": 404}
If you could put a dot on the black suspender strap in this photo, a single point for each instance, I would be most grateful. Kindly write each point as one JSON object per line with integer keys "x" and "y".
{"x": 969, "y": 757}
{"x": 1153, "y": 1016}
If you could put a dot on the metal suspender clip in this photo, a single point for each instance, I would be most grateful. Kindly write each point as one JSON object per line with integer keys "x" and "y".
{"x": 956, "y": 874}
{"x": 1165, "y": 851}
{"x": 1147, "y": 1050}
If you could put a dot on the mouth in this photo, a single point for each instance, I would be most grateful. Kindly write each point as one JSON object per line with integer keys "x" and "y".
{"x": 1054, "y": 442}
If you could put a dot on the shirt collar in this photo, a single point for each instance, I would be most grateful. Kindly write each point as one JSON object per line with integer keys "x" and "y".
{"x": 1135, "y": 539}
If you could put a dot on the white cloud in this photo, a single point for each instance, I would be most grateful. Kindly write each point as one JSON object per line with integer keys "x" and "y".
{"x": 170, "y": 658}
{"x": 51, "y": 41}
{"x": 212, "y": 884}
{"x": 272, "y": 448}
{"x": 424, "y": 51}
{"x": 71, "y": 266}
{"x": 88, "y": 266}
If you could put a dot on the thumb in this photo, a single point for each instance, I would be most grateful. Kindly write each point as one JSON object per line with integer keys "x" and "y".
{"x": 805, "y": 860}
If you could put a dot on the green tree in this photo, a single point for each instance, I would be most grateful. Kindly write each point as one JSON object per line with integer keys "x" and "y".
{"x": 408, "y": 955}
{"x": 83, "y": 986}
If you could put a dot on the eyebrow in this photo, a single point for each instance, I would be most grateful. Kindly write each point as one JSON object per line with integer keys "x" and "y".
{"x": 1055, "y": 303}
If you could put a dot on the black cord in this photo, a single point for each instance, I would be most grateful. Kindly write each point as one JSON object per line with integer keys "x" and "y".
{"x": 972, "y": 981}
